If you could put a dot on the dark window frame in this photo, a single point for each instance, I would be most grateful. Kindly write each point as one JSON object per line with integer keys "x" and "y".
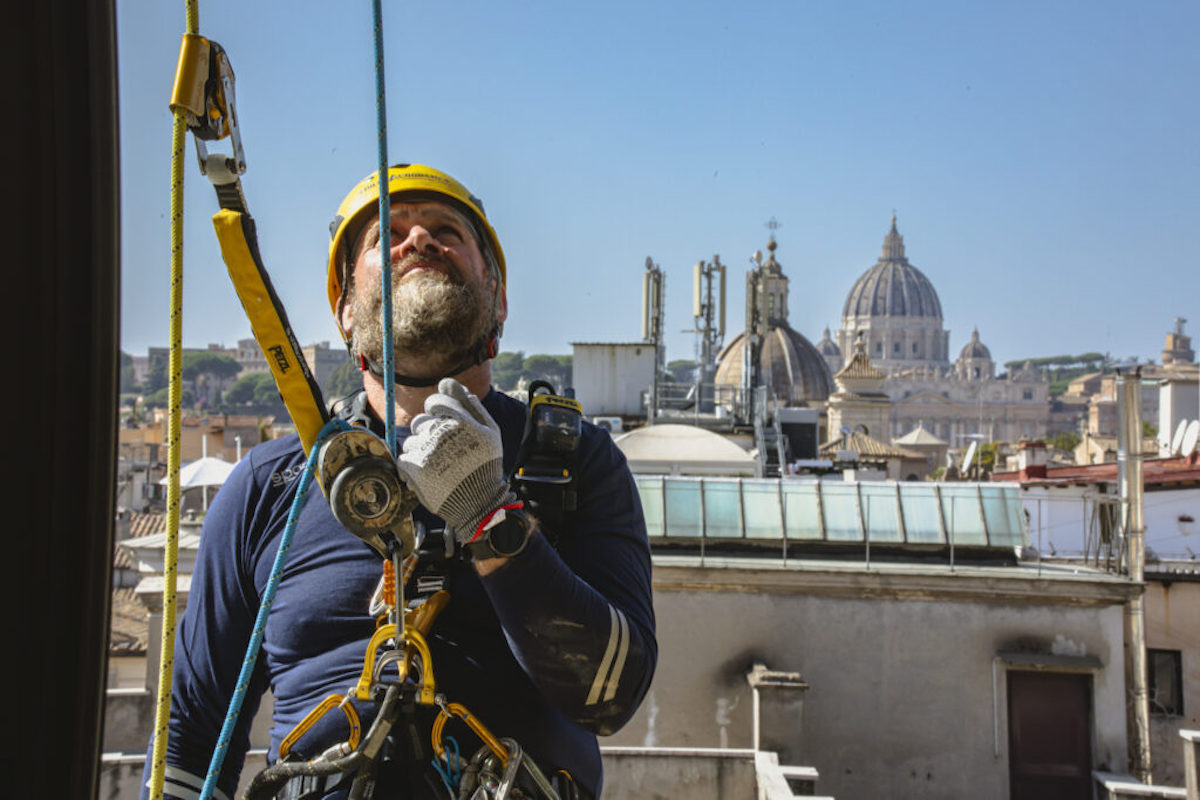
{"x": 1156, "y": 659}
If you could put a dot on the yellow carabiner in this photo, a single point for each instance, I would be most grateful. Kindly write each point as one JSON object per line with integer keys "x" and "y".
{"x": 460, "y": 711}
{"x": 411, "y": 637}
{"x": 417, "y": 622}
{"x": 334, "y": 700}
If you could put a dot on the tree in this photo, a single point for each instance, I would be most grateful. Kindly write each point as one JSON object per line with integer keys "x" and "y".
{"x": 255, "y": 392}
{"x": 128, "y": 374}
{"x": 205, "y": 368}
{"x": 156, "y": 375}
{"x": 682, "y": 370}
{"x": 507, "y": 369}
{"x": 161, "y": 398}
{"x": 1149, "y": 431}
{"x": 345, "y": 378}
{"x": 266, "y": 395}
{"x": 1066, "y": 442}
{"x": 547, "y": 368}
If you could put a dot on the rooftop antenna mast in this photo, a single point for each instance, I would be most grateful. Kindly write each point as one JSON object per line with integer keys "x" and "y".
{"x": 653, "y": 288}
{"x": 709, "y": 314}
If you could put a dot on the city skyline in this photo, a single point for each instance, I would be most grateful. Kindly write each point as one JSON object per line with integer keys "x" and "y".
{"x": 1040, "y": 161}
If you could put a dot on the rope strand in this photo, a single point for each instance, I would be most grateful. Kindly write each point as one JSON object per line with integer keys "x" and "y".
{"x": 385, "y": 237}
{"x": 162, "y": 715}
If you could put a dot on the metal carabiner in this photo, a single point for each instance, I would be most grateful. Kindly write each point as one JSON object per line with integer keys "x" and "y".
{"x": 310, "y": 719}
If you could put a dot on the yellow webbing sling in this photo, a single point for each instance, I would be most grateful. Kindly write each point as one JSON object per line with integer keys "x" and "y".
{"x": 268, "y": 321}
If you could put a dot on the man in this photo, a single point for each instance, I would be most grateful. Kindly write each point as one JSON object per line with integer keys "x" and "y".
{"x": 548, "y": 644}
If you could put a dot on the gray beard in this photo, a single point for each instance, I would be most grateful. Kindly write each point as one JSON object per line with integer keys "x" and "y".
{"x": 434, "y": 319}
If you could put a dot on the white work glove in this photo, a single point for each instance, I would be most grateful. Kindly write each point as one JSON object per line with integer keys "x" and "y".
{"x": 454, "y": 459}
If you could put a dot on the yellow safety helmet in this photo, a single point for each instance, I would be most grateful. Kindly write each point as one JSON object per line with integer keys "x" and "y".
{"x": 410, "y": 183}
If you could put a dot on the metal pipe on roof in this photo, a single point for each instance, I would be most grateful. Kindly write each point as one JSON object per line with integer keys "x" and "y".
{"x": 1131, "y": 486}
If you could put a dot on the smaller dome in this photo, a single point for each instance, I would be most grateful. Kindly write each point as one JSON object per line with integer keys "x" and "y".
{"x": 827, "y": 346}
{"x": 796, "y": 372}
{"x": 975, "y": 348}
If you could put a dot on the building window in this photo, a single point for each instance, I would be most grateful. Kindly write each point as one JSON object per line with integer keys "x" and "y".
{"x": 896, "y": 348}
{"x": 914, "y": 348}
{"x": 1027, "y": 394}
{"x": 879, "y": 348}
{"x": 1165, "y": 671}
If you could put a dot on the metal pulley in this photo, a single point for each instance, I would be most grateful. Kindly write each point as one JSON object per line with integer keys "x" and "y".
{"x": 359, "y": 476}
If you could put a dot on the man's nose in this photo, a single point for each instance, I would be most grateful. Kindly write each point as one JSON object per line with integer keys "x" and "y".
{"x": 418, "y": 240}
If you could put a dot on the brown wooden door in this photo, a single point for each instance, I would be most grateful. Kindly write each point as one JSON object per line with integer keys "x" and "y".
{"x": 1049, "y": 736}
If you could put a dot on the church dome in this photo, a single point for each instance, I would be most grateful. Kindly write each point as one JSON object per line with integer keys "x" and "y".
{"x": 796, "y": 372}
{"x": 788, "y": 363}
{"x": 975, "y": 348}
{"x": 827, "y": 346}
{"x": 893, "y": 287}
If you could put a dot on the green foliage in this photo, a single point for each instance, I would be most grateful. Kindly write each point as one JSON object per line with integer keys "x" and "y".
{"x": 206, "y": 370}
{"x": 161, "y": 398}
{"x": 132, "y": 411}
{"x": 506, "y": 370}
{"x": 549, "y": 368}
{"x": 345, "y": 378}
{"x": 1149, "y": 431}
{"x": 1064, "y": 369}
{"x": 1091, "y": 361}
{"x": 128, "y": 376}
{"x": 1065, "y": 441}
{"x": 255, "y": 393}
{"x": 681, "y": 370}
{"x": 156, "y": 375}
{"x": 987, "y": 455}
{"x": 217, "y": 365}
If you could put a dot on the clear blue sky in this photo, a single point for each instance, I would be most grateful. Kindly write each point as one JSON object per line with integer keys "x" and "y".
{"x": 1042, "y": 157}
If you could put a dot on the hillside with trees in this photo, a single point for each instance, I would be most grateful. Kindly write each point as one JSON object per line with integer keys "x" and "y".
{"x": 1064, "y": 369}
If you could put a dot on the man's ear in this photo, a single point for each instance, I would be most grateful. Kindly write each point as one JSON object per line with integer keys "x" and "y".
{"x": 502, "y": 305}
{"x": 346, "y": 315}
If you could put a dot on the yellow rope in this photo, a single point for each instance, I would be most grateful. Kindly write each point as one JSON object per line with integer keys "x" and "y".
{"x": 166, "y": 661}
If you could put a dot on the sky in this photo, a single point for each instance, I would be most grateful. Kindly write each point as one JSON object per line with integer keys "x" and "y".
{"x": 1041, "y": 158}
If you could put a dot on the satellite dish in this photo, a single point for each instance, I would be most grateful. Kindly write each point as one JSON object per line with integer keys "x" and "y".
{"x": 1190, "y": 438}
{"x": 970, "y": 455}
{"x": 1177, "y": 439}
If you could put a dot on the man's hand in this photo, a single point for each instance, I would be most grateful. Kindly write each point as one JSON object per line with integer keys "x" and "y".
{"x": 454, "y": 459}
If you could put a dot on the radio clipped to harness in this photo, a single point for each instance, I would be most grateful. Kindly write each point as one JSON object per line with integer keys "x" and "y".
{"x": 546, "y": 460}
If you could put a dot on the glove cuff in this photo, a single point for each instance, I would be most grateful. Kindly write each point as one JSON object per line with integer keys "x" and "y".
{"x": 464, "y": 521}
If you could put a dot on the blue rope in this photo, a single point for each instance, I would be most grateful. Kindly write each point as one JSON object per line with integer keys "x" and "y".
{"x": 264, "y": 609}
{"x": 451, "y": 773}
{"x": 385, "y": 237}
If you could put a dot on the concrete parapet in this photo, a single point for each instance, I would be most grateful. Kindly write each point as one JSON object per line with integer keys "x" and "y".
{"x": 1191, "y": 762}
{"x": 1127, "y": 787}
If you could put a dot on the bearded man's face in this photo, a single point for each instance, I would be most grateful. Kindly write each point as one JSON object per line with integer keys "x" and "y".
{"x": 437, "y": 316}
{"x": 443, "y": 294}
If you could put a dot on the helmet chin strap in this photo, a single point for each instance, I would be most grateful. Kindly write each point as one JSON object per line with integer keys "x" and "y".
{"x": 487, "y": 349}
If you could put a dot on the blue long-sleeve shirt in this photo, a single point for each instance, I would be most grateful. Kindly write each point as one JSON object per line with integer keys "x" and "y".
{"x": 551, "y": 649}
